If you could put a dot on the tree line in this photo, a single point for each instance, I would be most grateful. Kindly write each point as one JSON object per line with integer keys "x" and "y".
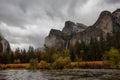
{"x": 94, "y": 51}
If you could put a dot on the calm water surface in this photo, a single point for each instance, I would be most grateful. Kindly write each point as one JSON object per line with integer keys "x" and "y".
{"x": 70, "y": 74}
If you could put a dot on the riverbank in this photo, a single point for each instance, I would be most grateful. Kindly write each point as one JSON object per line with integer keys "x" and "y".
{"x": 72, "y": 65}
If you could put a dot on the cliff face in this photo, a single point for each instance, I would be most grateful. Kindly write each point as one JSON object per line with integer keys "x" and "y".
{"x": 107, "y": 23}
{"x": 4, "y": 45}
{"x": 72, "y": 28}
{"x": 104, "y": 22}
{"x": 116, "y": 20}
{"x": 54, "y": 39}
{"x": 60, "y": 39}
{"x": 102, "y": 27}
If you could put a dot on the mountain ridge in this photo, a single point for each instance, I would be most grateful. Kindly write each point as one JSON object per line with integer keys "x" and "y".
{"x": 4, "y": 45}
{"x": 107, "y": 23}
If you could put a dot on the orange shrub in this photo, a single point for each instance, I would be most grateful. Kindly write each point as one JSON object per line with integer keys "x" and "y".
{"x": 18, "y": 66}
{"x": 43, "y": 64}
{"x": 2, "y": 66}
{"x": 89, "y": 64}
{"x": 94, "y": 64}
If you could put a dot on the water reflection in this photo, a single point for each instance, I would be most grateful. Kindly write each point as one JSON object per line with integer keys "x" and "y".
{"x": 71, "y": 74}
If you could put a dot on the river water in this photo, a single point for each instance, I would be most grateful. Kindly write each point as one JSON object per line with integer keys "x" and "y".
{"x": 66, "y": 74}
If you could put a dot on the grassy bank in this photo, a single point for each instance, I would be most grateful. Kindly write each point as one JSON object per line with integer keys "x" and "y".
{"x": 44, "y": 65}
{"x": 88, "y": 64}
{"x": 14, "y": 66}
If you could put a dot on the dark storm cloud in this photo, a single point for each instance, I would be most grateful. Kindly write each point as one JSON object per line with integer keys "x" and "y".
{"x": 27, "y": 22}
{"x": 112, "y": 1}
{"x": 11, "y": 14}
{"x": 15, "y": 12}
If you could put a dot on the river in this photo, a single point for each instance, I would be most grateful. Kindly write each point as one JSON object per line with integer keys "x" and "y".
{"x": 66, "y": 74}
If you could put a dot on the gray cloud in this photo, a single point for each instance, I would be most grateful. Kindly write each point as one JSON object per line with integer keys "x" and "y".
{"x": 27, "y": 22}
{"x": 112, "y": 1}
{"x": 16, "y": 12}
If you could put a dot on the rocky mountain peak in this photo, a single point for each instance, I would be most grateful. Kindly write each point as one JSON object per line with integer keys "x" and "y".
{"x": 105, "y": 13}
{"x": 116, "y": 20}
{"x": 71, "y": 27}
{"x": 107, "y": 23}
{"x": 4, "y": 45}
{"x": 54, "y": 32}
{"x": 59, "y": 39}
{"x": 104, "y": 22}
{"x": 69, "y": 24}
{"x": 68, "y": 27}
{"x": 116, "y": 14}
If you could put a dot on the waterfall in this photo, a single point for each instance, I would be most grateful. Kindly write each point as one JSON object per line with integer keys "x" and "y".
{"x": 67, "y": 44}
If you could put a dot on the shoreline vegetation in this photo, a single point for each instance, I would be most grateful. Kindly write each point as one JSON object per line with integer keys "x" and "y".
{"x": 80, "y": 55}
{"x": 110, "y": 60}
{"x": 45, "y": 65}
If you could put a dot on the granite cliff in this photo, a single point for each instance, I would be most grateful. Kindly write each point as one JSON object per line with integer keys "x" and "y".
{"x": 4, "y": 45}
{"x": 107, "y": 23}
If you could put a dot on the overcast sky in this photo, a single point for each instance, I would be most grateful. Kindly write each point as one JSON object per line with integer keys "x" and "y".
{"x": 27, "y": 22}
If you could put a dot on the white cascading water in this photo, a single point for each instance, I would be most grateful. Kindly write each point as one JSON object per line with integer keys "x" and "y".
{"x": 67, "y": 44}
